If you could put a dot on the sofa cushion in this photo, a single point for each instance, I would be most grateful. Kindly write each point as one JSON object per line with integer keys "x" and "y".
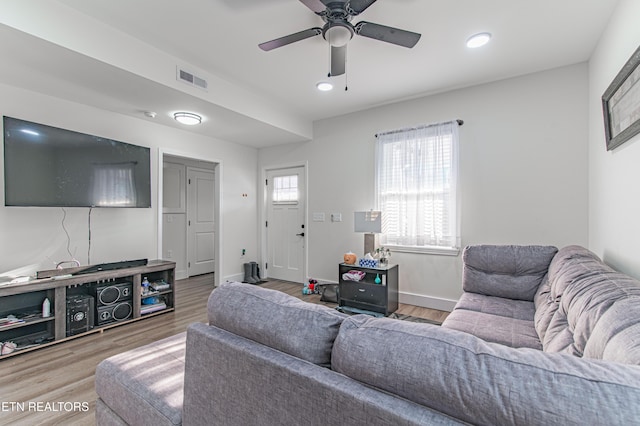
{"x": 509, "y": 271}
{"x": 495, "y": 319}
{"x": 234, "y": 381}
{"x": 484, "y": 383}
{"x": 507, "y": 308}
{"x": 276, "y": 319}
{"x": 616, "y": 336}
{"x": 582, "y": 292}
{"x": 144, "y": 386}
{"x": 513, "y": 332}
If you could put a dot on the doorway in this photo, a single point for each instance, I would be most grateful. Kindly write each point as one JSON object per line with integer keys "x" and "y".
{"x": 189, "y": 225}
{"x": 285, "y": 230}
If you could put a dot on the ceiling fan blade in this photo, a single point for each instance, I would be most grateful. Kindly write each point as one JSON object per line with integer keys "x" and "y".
{"x": 356, "y": 7}
{"x": 316, "y": 5}
{"x": 388, "y": 34}
{"x": 288, "y": 39}
{"x": 338, "y": 60}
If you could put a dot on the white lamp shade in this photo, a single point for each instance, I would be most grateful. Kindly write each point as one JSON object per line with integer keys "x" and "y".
{"x": 370, "y": 222}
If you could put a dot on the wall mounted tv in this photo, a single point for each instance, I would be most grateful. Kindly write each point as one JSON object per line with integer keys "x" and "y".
{"x": 46, "y": 166}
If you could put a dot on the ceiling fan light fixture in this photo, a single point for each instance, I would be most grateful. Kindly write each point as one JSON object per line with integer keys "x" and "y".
{"x": 188, "y": 118}
{"x": 324, "y": 86}
{"x": 338, "y": 35}
{"x": 478, "y": 40}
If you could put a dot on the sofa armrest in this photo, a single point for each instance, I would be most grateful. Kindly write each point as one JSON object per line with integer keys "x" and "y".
{"x": 485, "y": 383}
{"x": 512, "y": 272}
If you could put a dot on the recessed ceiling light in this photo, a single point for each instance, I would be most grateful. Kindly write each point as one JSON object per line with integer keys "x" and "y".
{"x": 324, "y": 86}
{"x": 478, "y": 40}
{"x": 187, "y": 118}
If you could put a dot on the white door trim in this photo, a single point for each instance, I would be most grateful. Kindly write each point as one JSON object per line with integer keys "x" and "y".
{"x": 263, "y": 215}
{"x": 162, "y": 152}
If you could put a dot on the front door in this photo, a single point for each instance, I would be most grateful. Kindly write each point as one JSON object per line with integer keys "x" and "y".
{"x": 200, "y": 221}
{"x": 286, "y": 224}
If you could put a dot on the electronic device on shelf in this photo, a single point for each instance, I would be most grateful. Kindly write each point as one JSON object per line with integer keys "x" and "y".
{"x": 80, "y": 314}
{"x": 114, "y": 302}
{"x": 112, "y": 266}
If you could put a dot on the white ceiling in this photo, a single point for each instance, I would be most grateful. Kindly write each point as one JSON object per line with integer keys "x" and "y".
{"x": 220, "y": 37}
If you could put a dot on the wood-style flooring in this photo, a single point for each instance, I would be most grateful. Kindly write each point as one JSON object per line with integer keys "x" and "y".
{"x": 40, "y": 387}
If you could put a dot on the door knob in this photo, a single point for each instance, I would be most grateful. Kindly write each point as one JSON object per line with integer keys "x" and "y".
{"x": 300, "y": 234}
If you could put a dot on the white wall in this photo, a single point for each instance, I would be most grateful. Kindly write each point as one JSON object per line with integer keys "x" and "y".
{"x": 34, "y": 236}
{"x": 614, "y": 201}
{"x": 523, "y": 173}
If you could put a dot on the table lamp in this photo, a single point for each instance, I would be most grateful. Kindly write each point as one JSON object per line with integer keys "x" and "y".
{"x": 371, "y": 224}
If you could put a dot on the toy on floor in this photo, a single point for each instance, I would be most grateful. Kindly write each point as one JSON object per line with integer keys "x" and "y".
{"x": 311, "y": 287}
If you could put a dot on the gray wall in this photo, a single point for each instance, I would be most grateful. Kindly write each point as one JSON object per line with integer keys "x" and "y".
{"x": 614, "y": 199}
{"x": 523, "y": 160}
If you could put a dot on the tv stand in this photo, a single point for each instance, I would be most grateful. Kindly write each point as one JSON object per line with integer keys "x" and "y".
{"x": 83, "y": 303}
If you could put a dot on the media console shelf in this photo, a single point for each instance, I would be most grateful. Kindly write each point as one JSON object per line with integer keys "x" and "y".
{"x": 82, "y": 304}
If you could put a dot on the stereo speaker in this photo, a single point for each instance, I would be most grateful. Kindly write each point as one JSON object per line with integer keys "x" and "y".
{"x": 115, "y": 312}
{"x": 80, "y": 309}
{"x": 110, "y": 294}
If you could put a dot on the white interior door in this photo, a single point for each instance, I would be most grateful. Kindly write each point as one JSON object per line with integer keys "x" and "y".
{"x": 200, "y": 221}
{"x": 286, "y": 224}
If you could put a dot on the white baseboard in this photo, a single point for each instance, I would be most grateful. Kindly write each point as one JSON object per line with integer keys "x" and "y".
{"x": 430, "y": 302}
{"x": 235, "y": 277}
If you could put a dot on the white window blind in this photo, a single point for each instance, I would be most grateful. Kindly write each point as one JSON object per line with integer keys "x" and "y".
{"x": 417, "y": 187}
{"x": 285, "y": 189}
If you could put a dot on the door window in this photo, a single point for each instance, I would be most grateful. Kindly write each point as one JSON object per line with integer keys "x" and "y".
{"x": 285, "y": 189}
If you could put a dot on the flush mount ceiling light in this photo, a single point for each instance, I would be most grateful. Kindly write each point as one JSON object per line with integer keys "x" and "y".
{"x": 188, "y": 118}
{"x": 324, "y": 86}
{"x": 478, "y": 40}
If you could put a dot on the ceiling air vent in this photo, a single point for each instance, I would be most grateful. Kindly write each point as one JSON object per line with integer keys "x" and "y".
{"x": 191, "y": 79}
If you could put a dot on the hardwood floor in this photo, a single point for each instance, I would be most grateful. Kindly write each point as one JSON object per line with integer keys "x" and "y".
{"x": 41, "y": 387}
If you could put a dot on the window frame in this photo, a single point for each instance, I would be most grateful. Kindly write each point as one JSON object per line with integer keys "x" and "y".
{"x": 452, "y": 177}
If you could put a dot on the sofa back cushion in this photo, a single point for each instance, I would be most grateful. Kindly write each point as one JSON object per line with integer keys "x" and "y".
{"x": 589, "y": 309}
{"x": 513, "y": 272}
{"x": 276, "y": 319}
{"x": 484, "y": 383}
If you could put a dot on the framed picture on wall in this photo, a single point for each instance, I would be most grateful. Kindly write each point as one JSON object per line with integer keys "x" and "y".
{"x": 621, "y": 104}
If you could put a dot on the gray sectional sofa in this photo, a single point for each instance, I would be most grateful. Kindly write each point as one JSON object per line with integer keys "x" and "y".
{"x": 539, "y": 337}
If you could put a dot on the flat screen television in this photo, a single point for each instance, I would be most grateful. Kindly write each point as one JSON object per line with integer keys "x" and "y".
{"x": 46, "y": 166}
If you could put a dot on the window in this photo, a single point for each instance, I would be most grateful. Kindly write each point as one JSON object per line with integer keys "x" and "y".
{"x": 285, "y": 189}
{"x": 416, "y": 188}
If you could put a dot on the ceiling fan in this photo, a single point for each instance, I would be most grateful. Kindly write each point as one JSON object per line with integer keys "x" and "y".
{"x": 338, "y": 30}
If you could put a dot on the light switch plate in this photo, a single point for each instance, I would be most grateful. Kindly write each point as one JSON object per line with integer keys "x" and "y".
{"x": 318, "y": 217}
{"x": 336, "y": 217}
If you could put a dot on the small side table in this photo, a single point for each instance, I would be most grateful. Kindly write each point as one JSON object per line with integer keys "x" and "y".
{"x": 366, "y": 294}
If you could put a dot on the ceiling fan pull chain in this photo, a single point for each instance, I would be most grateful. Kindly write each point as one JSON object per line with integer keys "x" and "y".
{"x": 346, "y": 70}
{"x": 329, "y": 58}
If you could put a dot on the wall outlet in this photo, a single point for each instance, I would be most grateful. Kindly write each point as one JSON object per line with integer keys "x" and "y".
{"x": 336, "y": 217}
{"x": 244, "y": 251}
